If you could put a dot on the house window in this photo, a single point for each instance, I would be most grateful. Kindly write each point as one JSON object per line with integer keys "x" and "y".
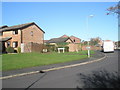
{"x": 15, "y": 32}
{"x": 74, "y": 40}
{"x": 8, "y": 43}
{"x": 1, "y": 33}
{"x": 15, "y": 44}
{"x": 31, "y": 33}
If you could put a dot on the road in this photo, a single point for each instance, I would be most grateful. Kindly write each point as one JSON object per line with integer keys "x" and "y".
{"x": 64, "y": 78}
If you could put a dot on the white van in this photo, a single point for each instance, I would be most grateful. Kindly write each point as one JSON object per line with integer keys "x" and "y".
{"x": 108, "y": 46}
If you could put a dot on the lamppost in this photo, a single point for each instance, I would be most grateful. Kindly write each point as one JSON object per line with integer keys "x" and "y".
{"x": 88, "y": 46}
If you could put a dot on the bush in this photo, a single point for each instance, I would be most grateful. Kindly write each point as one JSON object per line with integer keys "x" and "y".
{"x": 10, "y": 49}
{"x": 66, "y": 49}
{"x": 51, "y": 48}
{"x": 18, "y": 50}
{"x": 64, "y": 44}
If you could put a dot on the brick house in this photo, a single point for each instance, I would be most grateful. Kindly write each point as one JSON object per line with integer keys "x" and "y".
{"x": 73, "y": 38}
{"x": 73, "y": 42}
{"x": 54, "y": 41}
{"x": 75, "y": 46}
{"x": 21, "y": 35}
{"x": 57, "y": 41}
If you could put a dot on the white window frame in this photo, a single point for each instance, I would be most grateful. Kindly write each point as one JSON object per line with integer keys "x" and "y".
{"x": 14, "y": 44}
{"x": 14, "y": 32}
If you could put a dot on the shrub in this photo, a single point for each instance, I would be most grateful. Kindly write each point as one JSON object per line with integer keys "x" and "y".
{"x": 51, "y": 48}
{"x": 66, "y": 49}
{"x": 64, "y": 44}
{"x": 10, "y": 49}
{"x": 18, "y": 50}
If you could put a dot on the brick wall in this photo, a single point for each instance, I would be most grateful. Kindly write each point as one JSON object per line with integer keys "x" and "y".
{"x": 75, "y": 40}
{"x": 91, "y": 48}
{"x": 73, "y": 47}
{"x": 32, "y": 34}
{"x": 77, "y": 47}
{"x": 16, "y": 37}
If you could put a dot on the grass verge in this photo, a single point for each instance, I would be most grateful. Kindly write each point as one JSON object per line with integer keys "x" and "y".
{"x": 25, "y": 60}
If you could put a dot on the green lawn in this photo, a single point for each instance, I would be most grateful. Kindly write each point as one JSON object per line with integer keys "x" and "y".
{"x": 25, "y": 60}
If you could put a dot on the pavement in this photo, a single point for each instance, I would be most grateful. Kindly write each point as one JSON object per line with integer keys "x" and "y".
{"x": 97, "y": 55}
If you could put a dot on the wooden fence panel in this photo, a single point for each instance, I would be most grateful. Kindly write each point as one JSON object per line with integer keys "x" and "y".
{"x": 33, "y": 47}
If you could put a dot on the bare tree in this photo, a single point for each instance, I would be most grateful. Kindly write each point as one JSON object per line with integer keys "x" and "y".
{"x": 114, "y": 9}
{"x": 95, "y": 41}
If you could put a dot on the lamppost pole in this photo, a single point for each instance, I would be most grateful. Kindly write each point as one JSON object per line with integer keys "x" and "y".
{"x": 88, "y": 50}
{"x": 88, "y": 46}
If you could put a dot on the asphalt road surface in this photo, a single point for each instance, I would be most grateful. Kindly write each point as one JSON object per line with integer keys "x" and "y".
{"x": 64, "y": 78}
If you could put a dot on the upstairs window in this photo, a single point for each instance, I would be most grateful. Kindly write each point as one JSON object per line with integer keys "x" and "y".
{"x": 15, "y": 44}
{"x": 31, "y": 33}
{"x": 15, "y": 32}
{"x": 1, "y": 33}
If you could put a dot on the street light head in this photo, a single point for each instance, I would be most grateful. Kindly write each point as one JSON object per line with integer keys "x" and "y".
{"x": 91, "y": 15}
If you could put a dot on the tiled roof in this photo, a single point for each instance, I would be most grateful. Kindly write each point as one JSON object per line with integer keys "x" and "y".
{"x": 57, "y": 40}
{"x": 5, "y": 39}
{"x": 71, "y": 37}
{"x": 46, "y": 41}
{"x": 17, "y": 27}
{"x": 74, "y": 37}
{"x": 64, "y": 36}
{"x": 1, "y": 27}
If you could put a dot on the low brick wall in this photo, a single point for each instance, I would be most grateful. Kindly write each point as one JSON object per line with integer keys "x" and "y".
{"x": 77, "y": 47}
{"x": 91, "y": 48}
{"x": 74, "y": 47}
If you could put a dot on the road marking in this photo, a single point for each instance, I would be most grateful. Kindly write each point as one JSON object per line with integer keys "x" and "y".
{"x": 52, "y": 69}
